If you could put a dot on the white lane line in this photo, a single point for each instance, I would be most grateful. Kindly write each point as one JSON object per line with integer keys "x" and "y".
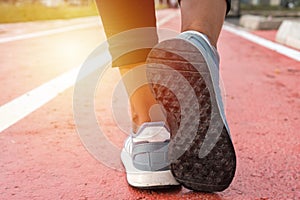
{"x": 69, "y": 28}
{"x": 22, "y": 106}
{"x": 291, "y": 53}
{"x": 48, "y": 32}
{"x": 17, "y": 109}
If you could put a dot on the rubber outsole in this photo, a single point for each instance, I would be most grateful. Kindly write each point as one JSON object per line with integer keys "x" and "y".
{"x": 181, "y": 82}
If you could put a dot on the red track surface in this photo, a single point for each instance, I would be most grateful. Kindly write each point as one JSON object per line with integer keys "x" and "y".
{"x": 42, "y": 157}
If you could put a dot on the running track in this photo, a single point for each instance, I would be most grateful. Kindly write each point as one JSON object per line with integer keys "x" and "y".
{"x": 42, "y": 156}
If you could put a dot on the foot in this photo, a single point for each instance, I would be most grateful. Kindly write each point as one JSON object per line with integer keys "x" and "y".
{"x": 144, "y": 157}
{"x": 184, "y": 78}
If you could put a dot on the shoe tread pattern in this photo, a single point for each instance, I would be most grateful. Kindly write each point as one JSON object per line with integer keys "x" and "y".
{"x": 216, "y": 170}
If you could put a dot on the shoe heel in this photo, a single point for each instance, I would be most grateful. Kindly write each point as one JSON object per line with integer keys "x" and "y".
{"x": 201, "y": 153}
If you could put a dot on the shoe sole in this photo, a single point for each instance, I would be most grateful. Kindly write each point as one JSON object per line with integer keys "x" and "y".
{"x": 147, "y": 179}
{"x": 210, "y": 171}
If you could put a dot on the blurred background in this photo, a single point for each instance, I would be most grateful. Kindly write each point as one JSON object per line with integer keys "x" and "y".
{"x": 29, "y": 10}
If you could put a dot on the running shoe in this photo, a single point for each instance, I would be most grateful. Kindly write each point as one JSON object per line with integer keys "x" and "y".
{"x": 145, "y": 157}
{"x": 184, "y": 76}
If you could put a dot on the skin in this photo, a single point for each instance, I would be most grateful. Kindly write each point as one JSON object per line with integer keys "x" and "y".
{"x": 205, "y": 16}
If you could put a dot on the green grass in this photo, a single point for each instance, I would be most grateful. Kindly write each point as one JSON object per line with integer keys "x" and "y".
{"x": 33, "y": 12}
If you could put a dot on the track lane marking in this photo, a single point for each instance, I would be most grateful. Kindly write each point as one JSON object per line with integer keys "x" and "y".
{"x": 47, "y": 32}
{"x": 281, "y": 49}
{"x": 69, "y": 28}
{"x": 22, "y": 106}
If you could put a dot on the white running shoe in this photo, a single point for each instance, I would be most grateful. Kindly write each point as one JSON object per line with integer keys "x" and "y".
{"x": 145, "y": 157}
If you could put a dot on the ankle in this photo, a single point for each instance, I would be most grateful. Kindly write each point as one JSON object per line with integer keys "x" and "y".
{"x": 155, "y": 114}
{"x": 212, "y": 40}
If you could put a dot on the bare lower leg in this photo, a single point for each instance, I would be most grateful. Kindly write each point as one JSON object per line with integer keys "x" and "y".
{"x": 205, "y": 16}
{"x": 141, "y": 98}
{"x": 141, "y": 103}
